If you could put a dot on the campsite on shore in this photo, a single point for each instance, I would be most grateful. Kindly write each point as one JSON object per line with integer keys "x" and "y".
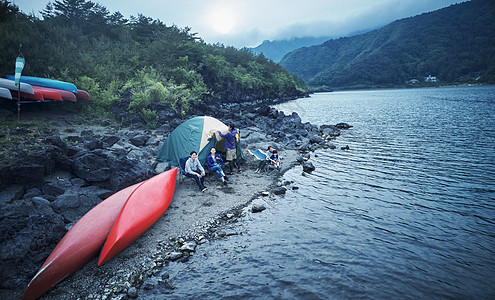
{"x": 100, "y": 111}
{"x": 43, "y": 198}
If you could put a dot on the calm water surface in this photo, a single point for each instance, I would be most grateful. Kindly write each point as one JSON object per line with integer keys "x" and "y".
{"x": 407, "y": 213}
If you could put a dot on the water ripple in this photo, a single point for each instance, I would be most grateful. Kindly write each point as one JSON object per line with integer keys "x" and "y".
{"x": 407, "y": 212}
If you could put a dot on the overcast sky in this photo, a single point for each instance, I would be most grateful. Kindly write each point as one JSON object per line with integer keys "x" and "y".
{"x": 246, "y": 23}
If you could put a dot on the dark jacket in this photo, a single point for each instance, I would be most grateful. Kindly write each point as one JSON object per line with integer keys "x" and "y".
{"x": 213, "y": 162}
{"x": 229, "y": 138}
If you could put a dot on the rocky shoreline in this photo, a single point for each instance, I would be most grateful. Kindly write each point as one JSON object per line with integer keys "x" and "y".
{"x": 56, "y": 167}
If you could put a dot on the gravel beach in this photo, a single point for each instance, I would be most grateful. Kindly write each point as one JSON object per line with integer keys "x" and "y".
{"x": 191, "y": 217}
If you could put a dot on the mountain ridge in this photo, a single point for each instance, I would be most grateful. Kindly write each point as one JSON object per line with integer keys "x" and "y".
{"x": 277, "y": 49}
{"x": 456, "y": 44}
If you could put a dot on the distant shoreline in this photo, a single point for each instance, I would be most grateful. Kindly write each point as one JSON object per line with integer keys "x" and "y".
{"x": 365, "y": 88}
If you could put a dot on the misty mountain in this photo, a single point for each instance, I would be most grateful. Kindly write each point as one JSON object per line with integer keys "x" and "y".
{"x": 455, "y": 44}
{"x": 277, "y": 49}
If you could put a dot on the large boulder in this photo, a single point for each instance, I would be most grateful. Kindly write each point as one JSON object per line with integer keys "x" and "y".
{"x": 330, "y": 130}
{"x": 279, "y": 190}
{"x": 91, "y": 167}
{"x": 10, "y": 194}
{"x": 296, "y": 118}
{"x": 126, "y": 172}
{"x": 250, "y": 116}
{"x": 308, "y": 167}
{"x": 29, "y": 230}
{"x": 263, "y": 110}
{"x": 75, "y": 203}
{"x": 343, "y": 126}
{"x": 93, "y": 143}
{"x": 109, "y": 141}
{"x": 139, "y": 140}
{"x": 315, "y": 139}
{"x": 27, "y": 174}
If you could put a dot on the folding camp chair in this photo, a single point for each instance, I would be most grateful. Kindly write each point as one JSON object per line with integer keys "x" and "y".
{"x": 182, "y": 168}
{"x": 258, "y": 154}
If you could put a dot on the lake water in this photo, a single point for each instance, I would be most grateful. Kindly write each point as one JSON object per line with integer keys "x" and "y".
{"x": 407, "y": 213}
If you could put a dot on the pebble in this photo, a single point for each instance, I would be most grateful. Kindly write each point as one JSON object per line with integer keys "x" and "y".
{"x": 280, "y": 190}
{"x": 167, "y": 284}
{"x": 257, "y": 208}
{"x": 173, "y": 256}
{"x": 189, "y": 246}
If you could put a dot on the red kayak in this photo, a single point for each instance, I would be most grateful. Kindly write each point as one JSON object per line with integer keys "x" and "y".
{"x": 65, "y": 95}
{"x": 36, "y": 96}
{"x": 147, "y": 203}
{"x": 47, "y": 94}
{"x": 80, "y": 244}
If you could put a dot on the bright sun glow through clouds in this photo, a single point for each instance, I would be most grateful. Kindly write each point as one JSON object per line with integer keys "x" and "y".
{"x": 222, "y": 19}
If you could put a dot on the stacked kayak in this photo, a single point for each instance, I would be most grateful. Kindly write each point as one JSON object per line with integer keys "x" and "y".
{"x": 48, "y": 94}
{"x": 112, "y": 225}
{"x": 83, "y": 95}
{"x": 10, "y": 84}
{"x": 51, "y": 83}
{"x": 36, "y": 96}
{"x": 63, "y": 95}
{"x": 5, "y": 93}
{"x": 37, "y": 89}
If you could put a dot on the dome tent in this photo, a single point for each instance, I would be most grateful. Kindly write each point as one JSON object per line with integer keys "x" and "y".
{"x": 196, "y": 134}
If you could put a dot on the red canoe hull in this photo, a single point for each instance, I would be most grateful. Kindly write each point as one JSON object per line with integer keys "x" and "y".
{"x": 47, "y": 94}
{"x": 65, "y": 95}
{"x": 144, "y": 207}
{"x": 80, "y": 244}
{"x": 37, "y": 96}
{"x": 83, "y": 95}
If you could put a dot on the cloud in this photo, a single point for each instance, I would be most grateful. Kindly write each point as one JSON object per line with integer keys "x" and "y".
{"x": 243, "y": 39}
{"x": 350, "y": 20}
{"x": 257, "y": 20}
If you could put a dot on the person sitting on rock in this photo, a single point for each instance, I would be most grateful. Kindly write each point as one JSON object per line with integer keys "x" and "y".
{"x": 274, "y": 159}
{"x": 215, "y": 164}
{"x": 194, "y": 170}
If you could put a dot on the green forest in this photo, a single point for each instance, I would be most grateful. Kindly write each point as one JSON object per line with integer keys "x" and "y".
{"x": 108, "y": 55}
{"x": 455, "y": 44}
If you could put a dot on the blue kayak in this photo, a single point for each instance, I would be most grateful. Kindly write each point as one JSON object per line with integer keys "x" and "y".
{"x": 50, "y": 83}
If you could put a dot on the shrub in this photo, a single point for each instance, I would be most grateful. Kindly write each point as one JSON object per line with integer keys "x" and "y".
{"x": 150, "y": 117}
